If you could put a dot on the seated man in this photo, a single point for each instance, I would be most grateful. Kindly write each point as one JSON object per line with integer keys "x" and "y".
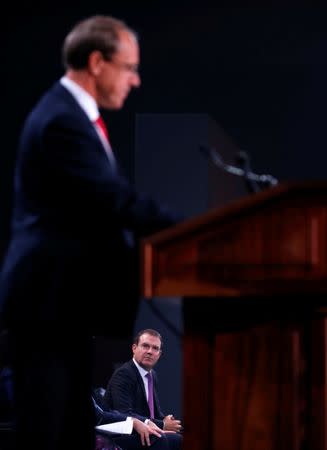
{"x": 138, "y": 434}
{"x": 132, "y": 388}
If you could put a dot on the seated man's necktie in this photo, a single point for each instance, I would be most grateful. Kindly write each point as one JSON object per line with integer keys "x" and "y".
{"x": 150, "y": 394}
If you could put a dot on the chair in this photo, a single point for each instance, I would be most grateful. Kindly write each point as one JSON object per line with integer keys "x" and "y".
{"x": 98, "y": 395}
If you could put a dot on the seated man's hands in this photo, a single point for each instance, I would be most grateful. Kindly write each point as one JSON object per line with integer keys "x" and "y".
{"x": 154, "y": 426}
{"x": 172, "y": 424}
{"x": 145, "y": 430}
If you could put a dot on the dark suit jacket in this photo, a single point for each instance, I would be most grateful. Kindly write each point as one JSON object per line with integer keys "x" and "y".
{"x": 126, "y": 392}
{"x": 107, "y": 416}
{"x": 104, "y": 441}
{"x": 126, "y": 441}
{"x": 74, "y": 222}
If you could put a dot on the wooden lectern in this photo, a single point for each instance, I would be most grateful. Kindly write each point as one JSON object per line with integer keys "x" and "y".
{"x": 253, "y": 277}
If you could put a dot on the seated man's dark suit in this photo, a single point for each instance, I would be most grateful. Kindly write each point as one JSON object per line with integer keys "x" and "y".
{"x": 129, "y": 441}
{"x": 126, "y": 393}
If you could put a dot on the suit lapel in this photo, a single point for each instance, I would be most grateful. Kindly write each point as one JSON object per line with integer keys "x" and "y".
{"x": 141, "y": 383}
{"x": 155, "y": 394}
{"x": 61, "y": 92}
{"x": 139, "y": 378}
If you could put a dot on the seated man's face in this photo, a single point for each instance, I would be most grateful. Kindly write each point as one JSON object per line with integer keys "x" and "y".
{"x": 148, "y": 351}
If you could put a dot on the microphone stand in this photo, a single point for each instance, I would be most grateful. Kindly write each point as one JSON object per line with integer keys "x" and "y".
{"x": 250, "y": 177}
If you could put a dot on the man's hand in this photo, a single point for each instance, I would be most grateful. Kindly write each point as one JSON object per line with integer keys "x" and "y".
{"x": 154, "y": 426}
{"x": 145, "y": 431}
{"x": 172, "y": 424}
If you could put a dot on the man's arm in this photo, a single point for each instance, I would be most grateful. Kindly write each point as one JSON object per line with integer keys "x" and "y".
{"x": 72, "y": 157}
{"x": 121, "y": 391}
{"x": 107, "y": 416}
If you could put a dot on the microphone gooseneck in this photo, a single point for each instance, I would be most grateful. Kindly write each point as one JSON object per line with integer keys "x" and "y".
{"x": 243, "y": 160}
{"x": 255, "y": 182}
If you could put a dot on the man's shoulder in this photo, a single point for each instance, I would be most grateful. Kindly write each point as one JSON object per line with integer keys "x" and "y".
{"x": 127, "y": 367}
{"x": 56, "y": 103}
{"x": 55, "y": 91}
{"x": 127, "y": 372}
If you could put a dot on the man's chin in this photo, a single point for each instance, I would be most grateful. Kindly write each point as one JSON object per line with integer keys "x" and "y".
{"x": 147, "y": 366}
{"x": 114, "y": 104}
{"x": 119, "y": 102}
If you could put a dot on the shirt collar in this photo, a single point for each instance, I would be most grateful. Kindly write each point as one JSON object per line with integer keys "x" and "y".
{"x": 142, "y": 371}
{"x": 83, "y": 98}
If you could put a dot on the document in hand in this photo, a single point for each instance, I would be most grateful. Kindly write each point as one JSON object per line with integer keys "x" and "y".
{"x": 124, "y": 427}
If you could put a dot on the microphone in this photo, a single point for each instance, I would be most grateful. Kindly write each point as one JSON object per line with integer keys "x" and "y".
{"x": 213, "y": 155}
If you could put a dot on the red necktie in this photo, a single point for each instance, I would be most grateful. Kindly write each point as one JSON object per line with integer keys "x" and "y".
{"x": 150, "y": 394}
{"x": 103, "y": 132}
{"x": 100, "y": 122}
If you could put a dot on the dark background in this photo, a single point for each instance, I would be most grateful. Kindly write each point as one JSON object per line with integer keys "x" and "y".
{"x": 257, "y": 70}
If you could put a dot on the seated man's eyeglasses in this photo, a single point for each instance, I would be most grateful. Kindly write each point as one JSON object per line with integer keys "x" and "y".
{"x": 147, "y": 347}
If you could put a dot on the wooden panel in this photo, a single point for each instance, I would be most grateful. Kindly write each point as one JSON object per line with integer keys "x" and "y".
{"x": 256, "y": 378}
{"x": 197, "y": 392}
{"x": 257, "y": 393}
{"x": 274, "y": 244}
{"x": 317, "y": 408}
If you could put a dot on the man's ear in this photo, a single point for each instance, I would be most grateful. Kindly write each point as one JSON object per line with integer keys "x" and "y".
{"x": 96, "y": 62}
